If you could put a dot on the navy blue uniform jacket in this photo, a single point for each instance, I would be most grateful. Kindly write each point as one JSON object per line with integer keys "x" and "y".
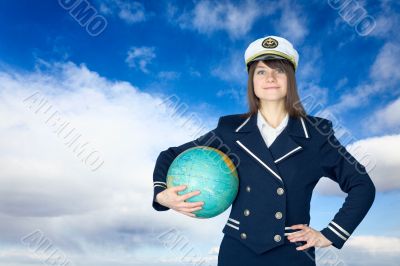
{"x": 276, "y": 183}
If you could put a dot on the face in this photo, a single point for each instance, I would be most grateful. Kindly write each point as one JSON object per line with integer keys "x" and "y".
{"x": 269, "y": 84}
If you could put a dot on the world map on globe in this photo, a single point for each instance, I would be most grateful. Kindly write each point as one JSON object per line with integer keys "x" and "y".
{"x": 209, "y": 170}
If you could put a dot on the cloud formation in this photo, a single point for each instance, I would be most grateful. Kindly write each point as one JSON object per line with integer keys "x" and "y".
{"x": 207, "y": 17}
{"x": 128, "y": 11}
{"x": 140, "y": 57}
{"x": 107, "y": 212}
{"x": 44, "y": 186}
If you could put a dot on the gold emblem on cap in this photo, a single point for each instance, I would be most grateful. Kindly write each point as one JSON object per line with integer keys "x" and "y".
{"x": 270, "y": 43}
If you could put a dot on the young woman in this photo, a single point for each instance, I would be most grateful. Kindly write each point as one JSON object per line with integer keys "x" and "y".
{"x": 280, "y": 154}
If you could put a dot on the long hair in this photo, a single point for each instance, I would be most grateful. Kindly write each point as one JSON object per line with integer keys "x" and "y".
{"x": 293, "y": 104}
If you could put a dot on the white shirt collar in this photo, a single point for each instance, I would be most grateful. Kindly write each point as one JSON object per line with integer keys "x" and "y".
{"x": 263, "y": 124}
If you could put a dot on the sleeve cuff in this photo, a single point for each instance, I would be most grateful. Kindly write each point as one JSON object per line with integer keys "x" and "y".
{"x": 336, "y": 234}
{"x": 158, "y": 187}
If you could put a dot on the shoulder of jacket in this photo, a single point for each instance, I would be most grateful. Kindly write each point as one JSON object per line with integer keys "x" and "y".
{"x": 232, "y": 121}
{"x": 316, "y": 120}
{"x": 320, "y": 125}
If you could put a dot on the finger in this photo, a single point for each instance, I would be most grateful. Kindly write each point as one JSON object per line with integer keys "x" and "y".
{"x": 299, "y": 226}
{"x": 297, "y": 234}
{"x": 304, "y": 236}
{"x": 190, "y": 194}
{"x": 188, "y": 213}
{"x": 191, "y": 204}
{"x": 191, "y": 209}
{"x": 293, "y": 238}
{"x": 298, "y": 239}
{"x": 305, "y": 246}
{"x": 178, "y": 188}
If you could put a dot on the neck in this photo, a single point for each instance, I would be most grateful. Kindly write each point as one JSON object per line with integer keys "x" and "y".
{"x": 273, "y": 112}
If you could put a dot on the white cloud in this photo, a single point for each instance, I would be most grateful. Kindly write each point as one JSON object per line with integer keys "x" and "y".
{"x": 43, "y": 185}
{"x": 96, "y": 218}
{"x": 140, "y": 57}
{"x": 237, "y": 18}
{"x": 292, "y": 23}
{"x": 384, "y": 70}
{"x": 387, "y": 21}
{"x": 315, "y": 94}
{"x": 386, "y": 120}
{"x": 376, "y": 244}
{"x": 194, "y": 73}
{"x": 341, "y": 83}
{"x": 232, "y": 68}
{"x": 208, "y": 17}
{"x": 310, "y": 64}
{"x": 381, "y": 157}
{"x": 383, "y": 77}
{"x": 168, "y": 75}
{"x": 385, "y": 151}
{"x": 128, "y": 11}
{"x": 384, "y": 25}
{"x": 239, "y": 95}
{"x": 362, "y": 250}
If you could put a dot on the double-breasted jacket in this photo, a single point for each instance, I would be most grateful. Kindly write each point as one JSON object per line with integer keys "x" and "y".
{"x": 276, "y": 182}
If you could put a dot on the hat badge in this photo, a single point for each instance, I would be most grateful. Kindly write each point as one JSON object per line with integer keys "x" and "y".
{"x": 270, "y": 43}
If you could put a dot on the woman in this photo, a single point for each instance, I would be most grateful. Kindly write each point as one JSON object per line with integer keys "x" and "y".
{"x": 280, "y": 154}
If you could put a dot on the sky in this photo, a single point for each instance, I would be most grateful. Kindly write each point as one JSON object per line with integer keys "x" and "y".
{"x": 85, "y": 109}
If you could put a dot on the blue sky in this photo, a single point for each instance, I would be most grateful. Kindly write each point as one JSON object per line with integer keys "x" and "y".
{"x": 112, "y": 87}
{"x": 334, "y": 59}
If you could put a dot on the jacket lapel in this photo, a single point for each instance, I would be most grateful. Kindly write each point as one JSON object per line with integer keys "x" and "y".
{"x": 249, "y": 139}
{"x": 284, "y": 145}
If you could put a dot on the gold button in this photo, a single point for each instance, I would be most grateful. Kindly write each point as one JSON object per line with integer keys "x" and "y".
{"x": 280, "y": 191}
{"x": 246, "y": 212}
{"x": 248, "y": 189}
{"x": 243, "y": 236}
{"x": 278, "y": 215}
{"x": 277, "y": 238}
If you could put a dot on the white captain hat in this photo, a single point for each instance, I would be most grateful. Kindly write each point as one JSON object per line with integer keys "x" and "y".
{"x": 271, "y": 47}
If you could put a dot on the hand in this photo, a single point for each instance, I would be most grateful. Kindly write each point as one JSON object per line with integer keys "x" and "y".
{"x": 171, "y": 199}
{"x": 313, "y": 237}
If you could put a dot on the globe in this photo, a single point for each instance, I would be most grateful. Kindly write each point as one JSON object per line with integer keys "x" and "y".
{"x": 209, "y": 170}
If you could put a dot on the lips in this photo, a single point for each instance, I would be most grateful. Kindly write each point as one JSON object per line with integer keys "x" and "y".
{"x": 270, "y": 88}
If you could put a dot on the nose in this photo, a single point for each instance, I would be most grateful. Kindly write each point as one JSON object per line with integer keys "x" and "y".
{"x": 270, "y": 76}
